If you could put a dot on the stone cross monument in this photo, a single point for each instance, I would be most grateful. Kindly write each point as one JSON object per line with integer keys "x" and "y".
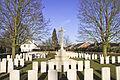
{"x": 61, "y": 41}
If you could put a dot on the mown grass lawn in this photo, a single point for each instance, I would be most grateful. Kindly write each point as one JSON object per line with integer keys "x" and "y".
{"x": 62, "y": 76}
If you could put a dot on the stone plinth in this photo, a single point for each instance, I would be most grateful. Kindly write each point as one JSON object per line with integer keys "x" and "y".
{"x": 61, "y": 55}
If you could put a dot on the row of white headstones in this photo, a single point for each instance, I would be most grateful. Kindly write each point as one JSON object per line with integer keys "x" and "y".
{"x": 18, "y": 61}
{"x": 9, "y": 63}
{"x": 102, "y": 59}
{"x": 52, "y": 72}
{"x": 71, "y": 73}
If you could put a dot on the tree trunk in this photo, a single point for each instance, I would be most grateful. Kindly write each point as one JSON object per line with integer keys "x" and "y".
{"x": 13, "y": 49}
{"x": 104, "y": 50}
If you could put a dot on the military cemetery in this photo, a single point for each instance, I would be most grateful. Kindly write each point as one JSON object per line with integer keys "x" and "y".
{"x": 74, "y": 66}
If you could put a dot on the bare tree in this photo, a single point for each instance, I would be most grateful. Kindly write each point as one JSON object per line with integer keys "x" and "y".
{"x": 48, "y": 43}
{"x": 21, "y": 20}
{"x": 100, "y": 21}
{"x": 67, "y": 41}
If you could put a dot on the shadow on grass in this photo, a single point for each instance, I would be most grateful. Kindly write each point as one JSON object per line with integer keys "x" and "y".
{"x": 63, "y": 77}
{"x": 96, "y": 77}
{"x": 80, "y": 75}
{"x": 113, "y": 78}
{"x": 24, "y": 76}
{"x": 26, "y": 64}
{"x": 3, "y": 77}
{"x": 38, "y": 69}
{"x": 98, "y": 71}
{"x": 43, "y": 76}
{"x": 97, "y": 61}
{"x": 116, "y": 64}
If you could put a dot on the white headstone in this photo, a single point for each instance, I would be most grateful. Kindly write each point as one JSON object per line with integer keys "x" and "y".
{"x": 66, "y": 66}
{"x": 118, "y": 73}
{"x": 10, "y": 66}
{"x": 105, "y": 73}
{"x": 88, "y": 74}
{"x": 15, "y": 75}
{"x": 21, "y": 55}
{"x": 95, "y": 56}
{"x": 52, "y": 75}
{"x": 50, "y": 66}
{"x": 3, "y": 65}
{"x": 107, "y": 59}
{"x": 118, "y": 57}
{"x": 101, "y": 60}
{"x": 4, "y": 60}
{"x": 44, "y": 56}
{"x": 43, "y": 67}
{"x": 16, "y": 62}
{"x": 21, "y": 62}
{"x": 89, "y": 56}
{"x": 30, "y": 57}
{"x": 73, "y": 65}
{"x": 113, "y": 59}
{"x": 80, "y": 65}
{"x": 86, "y": 56}
{"x": 72, "y": 74}
{"x": 80, "y": 55}
{"x": 10, "y": 60}
{"x": 26, "y": 57}
{"x": 32, "y": 75}
{"x": 18, "y": 57}
{"x": 87, "y": 64}
{"x": 35, "y": 66}
{"x": 8, "y": 57}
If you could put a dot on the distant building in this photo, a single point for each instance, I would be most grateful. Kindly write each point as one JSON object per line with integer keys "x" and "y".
{"x": 79, "y": 45}
{"x": 28, "y": 46}
{"x": 84, "y": 45}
